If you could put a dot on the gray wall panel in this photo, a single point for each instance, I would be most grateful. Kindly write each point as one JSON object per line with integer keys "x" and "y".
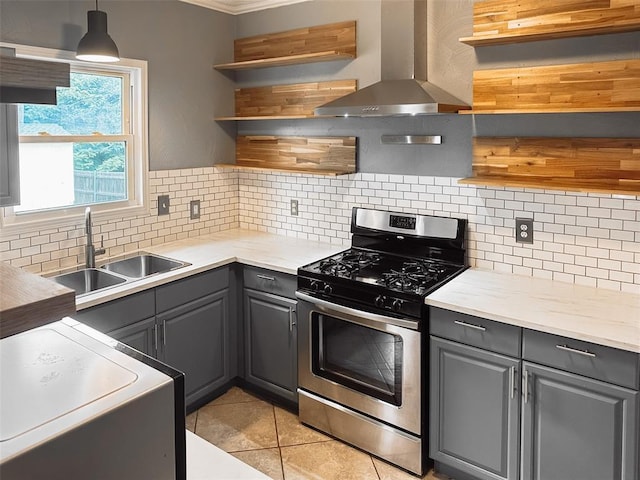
{"x": 180, "y": 41}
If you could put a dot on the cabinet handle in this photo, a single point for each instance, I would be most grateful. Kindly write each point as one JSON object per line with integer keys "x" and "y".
{"x": 292, "y": 322}
{"x": 469, "y": 325}
{"x": 512, "y": 381}
{"x": 164, "y": 333}
{"x": 266, "y": 277}
{"x": 525, "y": 386}
{"x": 575, "y": 350}
{"x": 155, "y": 338}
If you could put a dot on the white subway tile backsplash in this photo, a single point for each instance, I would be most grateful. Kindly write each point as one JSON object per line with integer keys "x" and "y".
{"x": 587, "y": 239}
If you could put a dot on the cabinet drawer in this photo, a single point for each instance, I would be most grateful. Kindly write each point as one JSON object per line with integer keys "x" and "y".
{"x": 476, "y": 331}
{"x": 119, "y": 313}
{"x": 270, "y": 281}
{"x": 583, "y": 358}
{"x": 188, "y": 289}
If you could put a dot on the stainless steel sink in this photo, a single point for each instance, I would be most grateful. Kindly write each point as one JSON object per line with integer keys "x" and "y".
{"x": 88, "y": 280}
{"x": 143, "y": 265}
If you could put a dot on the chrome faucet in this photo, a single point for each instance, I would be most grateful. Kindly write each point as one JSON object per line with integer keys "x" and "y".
{"x": 90, "y": 249}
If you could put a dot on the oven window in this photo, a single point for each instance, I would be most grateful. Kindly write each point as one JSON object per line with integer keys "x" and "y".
{"x": 358, "y": 357}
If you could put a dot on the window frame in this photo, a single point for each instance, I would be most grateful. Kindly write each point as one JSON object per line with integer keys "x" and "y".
{"x": 135, "y": 126}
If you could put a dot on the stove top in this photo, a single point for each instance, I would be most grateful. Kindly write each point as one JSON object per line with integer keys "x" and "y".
{"x": 394, "y": 262}
{"x": 395, "y": 272}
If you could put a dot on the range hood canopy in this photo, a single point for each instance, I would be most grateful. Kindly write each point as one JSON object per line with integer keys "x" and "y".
{"x": 403, "y": 88}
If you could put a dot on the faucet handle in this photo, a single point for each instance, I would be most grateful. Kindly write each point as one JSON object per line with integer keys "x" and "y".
{"x": 101, "y": 250}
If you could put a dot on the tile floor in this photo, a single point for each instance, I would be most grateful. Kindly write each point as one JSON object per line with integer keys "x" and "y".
{"x": 272, "y": 440}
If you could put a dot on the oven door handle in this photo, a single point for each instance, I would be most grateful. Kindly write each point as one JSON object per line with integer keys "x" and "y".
{"x": 356, "y": 315}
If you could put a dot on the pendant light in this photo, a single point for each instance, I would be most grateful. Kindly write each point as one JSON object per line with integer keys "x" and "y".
{"x": 97, "y": 45}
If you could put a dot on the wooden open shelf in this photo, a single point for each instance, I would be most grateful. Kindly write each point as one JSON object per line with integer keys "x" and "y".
{"x": 604, "y": 165}
{"x": 287, "y": 101}
{"x": 497, "y": 22}
{"x": 321, "y": 43}
{"x": 316, "y": 155}
{"x": 585, "y": 87}
{"x": 284, "y": 61}
{"x": 29, "y": 73}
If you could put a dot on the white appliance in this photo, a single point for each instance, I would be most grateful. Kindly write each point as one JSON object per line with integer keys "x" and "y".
{"x": 76, "y": 404}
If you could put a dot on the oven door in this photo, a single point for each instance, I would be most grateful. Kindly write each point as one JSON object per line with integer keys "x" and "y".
{"x": 367, "y": 362}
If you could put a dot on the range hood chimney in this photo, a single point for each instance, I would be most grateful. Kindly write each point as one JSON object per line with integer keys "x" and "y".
{"x": 403, "y": 88}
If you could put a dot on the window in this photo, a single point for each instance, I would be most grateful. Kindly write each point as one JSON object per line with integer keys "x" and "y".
{"x": 89, "y": 149}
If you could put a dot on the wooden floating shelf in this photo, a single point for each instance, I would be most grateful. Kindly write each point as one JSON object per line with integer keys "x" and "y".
{"x": 321, "y": 43}
{"x": 604, "y": 165}
{"x": 283, "y": 170}
{"x": 29, "y": 73}
{"x": 321, "y": 155}
{"x": 497, "y": 22}
{"x": 284, "y": 61}
{"x": 584, "y": 87}
{"x": 287, "y": 101}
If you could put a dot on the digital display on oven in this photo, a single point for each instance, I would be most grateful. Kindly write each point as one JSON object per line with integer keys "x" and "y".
{"x": 407, "y": 223}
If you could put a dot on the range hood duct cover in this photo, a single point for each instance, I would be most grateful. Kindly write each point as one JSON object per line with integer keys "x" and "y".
{"x": 403, "y": 88}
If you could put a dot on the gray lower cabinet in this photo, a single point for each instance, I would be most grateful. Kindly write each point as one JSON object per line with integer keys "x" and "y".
{"x": 475, "y": 410}
{"x": 571, "y": 413}
{"x": 474, "y": 402}
{"x": 140, "y": 336}
{"x": 270, "y": 350}
{"x": 577, "y": 427}
{"x": 580, "y": 410}
{"x": 185, "y": 324}
{"x": 195, "y": 341}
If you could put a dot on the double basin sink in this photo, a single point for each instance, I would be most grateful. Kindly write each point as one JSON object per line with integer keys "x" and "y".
{"x": 117, "y": 272}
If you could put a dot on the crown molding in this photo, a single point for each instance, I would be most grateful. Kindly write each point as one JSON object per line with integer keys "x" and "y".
{"x": 237, "y": 7}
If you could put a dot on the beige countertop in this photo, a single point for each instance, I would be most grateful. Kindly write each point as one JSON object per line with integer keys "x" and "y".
{"x": 275, "y": 252}
{"x": 591, "y": 314}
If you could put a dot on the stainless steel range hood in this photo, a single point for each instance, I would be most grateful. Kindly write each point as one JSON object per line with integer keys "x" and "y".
{"x": 403, "y": 89}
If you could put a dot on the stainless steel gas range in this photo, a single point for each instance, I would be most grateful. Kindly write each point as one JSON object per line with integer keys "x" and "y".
{"x": 362, "y": 332}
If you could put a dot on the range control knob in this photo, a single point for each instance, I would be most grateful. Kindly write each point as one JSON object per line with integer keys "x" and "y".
{"x": 315, "y": 285}
{"x": 328, "y": 289}
{"x": 397, "y": 305}
{"x": 379, "y": 301}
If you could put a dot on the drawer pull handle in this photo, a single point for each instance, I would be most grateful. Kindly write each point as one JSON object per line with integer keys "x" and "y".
{"x": 470, "y": 325}
{"x": 575, "y": 350}
{"x": 266, "y": 277}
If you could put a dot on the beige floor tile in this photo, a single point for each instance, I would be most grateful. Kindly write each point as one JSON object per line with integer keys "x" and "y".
{"x": 234, "y": 395}
{"x": 387, "y": 471}
{"x": 191, "y": 421}
{"x": 292, "y": 432}
{"x": 266, "y": 461}
{"x": 330, "y": 460}
{"x": 238, "y": 426}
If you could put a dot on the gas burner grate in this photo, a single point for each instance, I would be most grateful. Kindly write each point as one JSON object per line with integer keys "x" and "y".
{"x": 413, "y": 277}
{"x": 348, "y": 262}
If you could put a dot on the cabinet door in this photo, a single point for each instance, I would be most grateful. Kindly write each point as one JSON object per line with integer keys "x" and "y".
{"x": 140, "y": 335}
{"x": 270, "y": 343}
{"x": 194, "y": 341}
{"x": 574, "y": 427}
{"x": 9, "y": 159}
{"x": 474, "y": 410}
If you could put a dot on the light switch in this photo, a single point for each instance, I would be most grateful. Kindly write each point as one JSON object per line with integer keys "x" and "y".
{"x": 163, "y": 205}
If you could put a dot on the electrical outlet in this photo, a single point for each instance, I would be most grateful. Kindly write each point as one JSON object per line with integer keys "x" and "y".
{"x": 163, "y": 205}
{"x": 294, "y": 207}
{"x": 194, "y": 209}
{"x": 524, "y": 230}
